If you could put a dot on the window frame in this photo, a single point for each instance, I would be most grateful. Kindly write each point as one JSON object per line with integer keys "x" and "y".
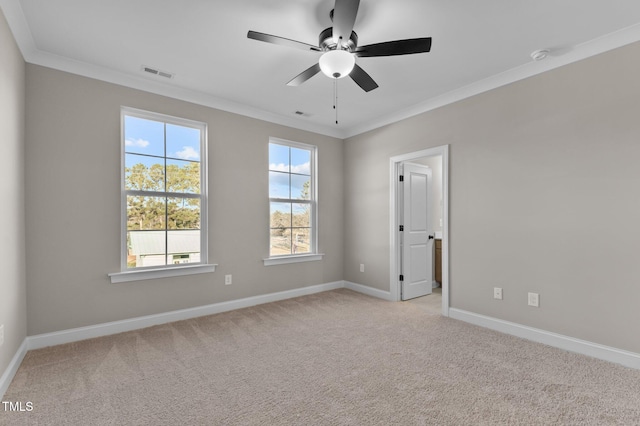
{"x": 148, "y": 272}
{"x": 313, "y": 254}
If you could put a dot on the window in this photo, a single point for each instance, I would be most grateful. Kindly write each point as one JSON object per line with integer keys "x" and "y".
{"x": 163, "y": 192}
{"x": 292, "y": 201}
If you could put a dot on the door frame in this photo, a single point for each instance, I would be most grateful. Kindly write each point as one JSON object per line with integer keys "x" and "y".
{"x": 394, "y": 222}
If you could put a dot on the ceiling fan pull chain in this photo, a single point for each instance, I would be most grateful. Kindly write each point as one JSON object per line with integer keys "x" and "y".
{"x": 335, "y": 92}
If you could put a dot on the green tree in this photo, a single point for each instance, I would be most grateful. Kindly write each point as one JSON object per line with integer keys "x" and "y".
{"x": 184, "y": 179}
{"x": 305, "y": 193}
{"x": 280, "y": 222}
{"x": 147, "y": 212}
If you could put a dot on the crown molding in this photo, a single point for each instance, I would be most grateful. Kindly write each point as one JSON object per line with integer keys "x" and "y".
{"x": 20, "y": 29}
{"x": 556, "y": 59}
{"x": 31, "y": 54}
{"x": 160, "y": 88}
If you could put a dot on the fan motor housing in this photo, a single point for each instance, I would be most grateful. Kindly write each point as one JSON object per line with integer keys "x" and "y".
{"x": 326, "y": 43}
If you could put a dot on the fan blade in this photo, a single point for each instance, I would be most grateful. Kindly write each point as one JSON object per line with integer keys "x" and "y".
{"x": 362, "y": 79}
{"x": 304, "y": 75}
{"x": 344, "y": 17}
{"x": 268, "y": 38}
{"x": 398, "y": 47}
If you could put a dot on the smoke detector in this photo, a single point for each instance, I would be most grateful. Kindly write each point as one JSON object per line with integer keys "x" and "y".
{"x": 539, "y": 55}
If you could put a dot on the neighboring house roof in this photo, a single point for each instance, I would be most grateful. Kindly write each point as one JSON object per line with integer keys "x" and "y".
{"x": 153, "y": 242}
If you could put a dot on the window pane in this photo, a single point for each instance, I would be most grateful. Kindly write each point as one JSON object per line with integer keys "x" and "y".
{"x": 280, "y": 215}
{"x": 280, "y": 242}
{"x": 163, "y": 189}
{"x": 301, "y": 242}
{"x": 300, "y": 187}
{"x": 145, "y": 213}
{"x": 144, "y": 173}
{"x": 143, "y": 136}
{"x": 291, "y": 198}
{"x": 146, "y": 248}
{"x": 183, "y": 213}
{"x": 278, "y": 185}
{"x": 183, "y": 246}
{"x": 301, "y": 161}
{"x": 183, "y": 142}
{"x": 301, "y": 215}
{"x": 183, "y": 176}
{"x": 279, "y": 158}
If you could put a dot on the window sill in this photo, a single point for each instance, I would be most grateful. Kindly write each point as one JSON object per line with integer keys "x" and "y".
{"x": 148, "y": 274}
{"x": 281, "y": 260}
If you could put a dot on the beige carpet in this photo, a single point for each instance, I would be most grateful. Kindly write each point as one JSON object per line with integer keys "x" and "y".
{"x": 431, "y": 303}
{"x": 335, "y": 358}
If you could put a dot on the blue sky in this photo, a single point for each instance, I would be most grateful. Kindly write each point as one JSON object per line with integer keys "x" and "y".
{"x": 284, "y": 160}
{"x": 147, "y": 137}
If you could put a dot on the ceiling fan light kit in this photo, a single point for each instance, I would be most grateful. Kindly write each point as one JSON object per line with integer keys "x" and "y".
{"x": 337, "y": 63}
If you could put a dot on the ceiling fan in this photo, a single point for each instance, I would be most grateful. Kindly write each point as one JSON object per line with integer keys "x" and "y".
{"x": 340, "y": 46}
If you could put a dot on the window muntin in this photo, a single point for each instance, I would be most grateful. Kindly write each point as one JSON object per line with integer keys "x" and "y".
{"x": 292, "y": 198}
{"x": 164, "y": 191}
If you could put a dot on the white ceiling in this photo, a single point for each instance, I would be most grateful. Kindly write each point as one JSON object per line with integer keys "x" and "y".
{"x": 477, "y": 45}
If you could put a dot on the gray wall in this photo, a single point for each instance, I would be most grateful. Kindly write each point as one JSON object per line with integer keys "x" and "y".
{"x": 543, "y": 191}
{"x": 13, "y": 308}
{"x": 73, "y": 206}
{"x": 544, "y": 197}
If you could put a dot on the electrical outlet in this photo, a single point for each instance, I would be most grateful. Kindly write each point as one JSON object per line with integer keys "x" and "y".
{"x": 362, "y": 267}
{"x": 497, "y": 293}
{"x": 227, "y": 280}
{"x": 1, "y": 334}
{"x": 534, "y": 299}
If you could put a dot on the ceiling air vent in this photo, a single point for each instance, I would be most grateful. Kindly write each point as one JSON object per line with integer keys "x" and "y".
{"x": 156, "y": 71}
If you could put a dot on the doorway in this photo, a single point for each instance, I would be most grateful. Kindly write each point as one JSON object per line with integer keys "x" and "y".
{"x": 396, "y": 208}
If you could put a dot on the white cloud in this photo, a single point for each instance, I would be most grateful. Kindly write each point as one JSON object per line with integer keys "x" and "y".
{"x": 140, "y": 143}
{"x": 303, "y": 169}
{"x": 279, "y": 167}
{"x": 188, "y": 153}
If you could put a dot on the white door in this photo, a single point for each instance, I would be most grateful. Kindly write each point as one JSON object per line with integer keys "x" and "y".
{"x": 416, "y": 237}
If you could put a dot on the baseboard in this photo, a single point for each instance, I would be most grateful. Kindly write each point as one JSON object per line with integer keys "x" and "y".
{"x": 109, "y": 328}
{"x": 12, "y": 369}
{"x": 369, "y": 291}
{"x": 606, "y": 353}
{"x": 105, "y": 329}
{"x": 595, "y": 350}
